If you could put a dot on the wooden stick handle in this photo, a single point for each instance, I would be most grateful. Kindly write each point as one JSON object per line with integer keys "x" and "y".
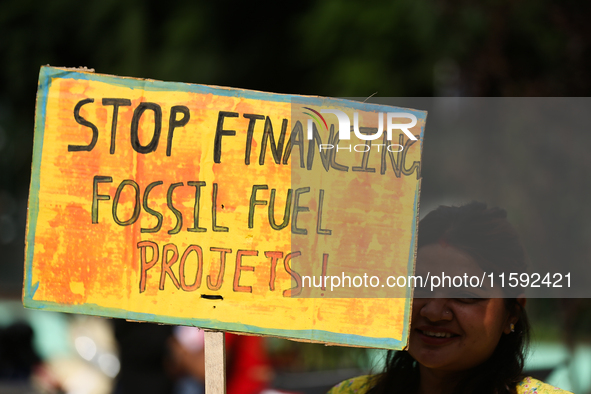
{"x": 215, "y": 362}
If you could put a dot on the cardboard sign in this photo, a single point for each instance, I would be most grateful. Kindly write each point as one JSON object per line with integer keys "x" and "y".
{"x": 222, "y": 208}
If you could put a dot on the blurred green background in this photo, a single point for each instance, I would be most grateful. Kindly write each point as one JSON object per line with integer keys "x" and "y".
{"x": 339, "y": 49}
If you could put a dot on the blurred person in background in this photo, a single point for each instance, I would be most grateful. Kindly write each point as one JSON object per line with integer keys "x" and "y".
{"x": 21, "y": 368}
{"x": 144, "y": 358}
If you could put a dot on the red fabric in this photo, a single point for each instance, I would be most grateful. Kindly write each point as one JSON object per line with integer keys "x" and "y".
{"x": 248, "y": 370}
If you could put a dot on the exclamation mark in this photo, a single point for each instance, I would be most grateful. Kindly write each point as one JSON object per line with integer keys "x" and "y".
{"x": 324, "y": 265}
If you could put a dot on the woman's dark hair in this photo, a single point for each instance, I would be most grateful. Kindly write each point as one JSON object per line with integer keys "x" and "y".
{"x": 486, "y": 235}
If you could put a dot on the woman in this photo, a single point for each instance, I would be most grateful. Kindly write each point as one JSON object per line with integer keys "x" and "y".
{"x": 462, "y": 340}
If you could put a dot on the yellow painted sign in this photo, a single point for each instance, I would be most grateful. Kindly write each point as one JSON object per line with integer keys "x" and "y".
{"x": 222, "y": 208}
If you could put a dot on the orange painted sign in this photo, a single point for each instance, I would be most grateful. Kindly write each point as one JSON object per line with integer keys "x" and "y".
{"x": 222, "y": 208}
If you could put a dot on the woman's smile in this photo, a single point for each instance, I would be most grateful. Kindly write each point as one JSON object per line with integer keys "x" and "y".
{"x": 436, "y": 336}
{"x": 455, "y": 334}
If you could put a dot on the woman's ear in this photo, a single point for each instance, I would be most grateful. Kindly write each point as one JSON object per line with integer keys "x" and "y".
{"x": 515, "y": 314}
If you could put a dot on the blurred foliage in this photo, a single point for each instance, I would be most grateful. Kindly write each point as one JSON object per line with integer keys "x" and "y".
{"x": 301, "y": 357}
{"x": 333, "y": 48}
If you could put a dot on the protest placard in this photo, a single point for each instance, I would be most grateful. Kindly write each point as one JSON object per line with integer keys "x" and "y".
{"x": 222, "y": 208}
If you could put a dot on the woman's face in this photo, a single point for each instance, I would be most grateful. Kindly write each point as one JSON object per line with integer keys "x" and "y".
{"x": 456, "y": 334}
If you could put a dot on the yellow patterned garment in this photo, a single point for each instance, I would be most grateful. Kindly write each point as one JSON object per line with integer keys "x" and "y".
{"x": 362, "y": 384}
